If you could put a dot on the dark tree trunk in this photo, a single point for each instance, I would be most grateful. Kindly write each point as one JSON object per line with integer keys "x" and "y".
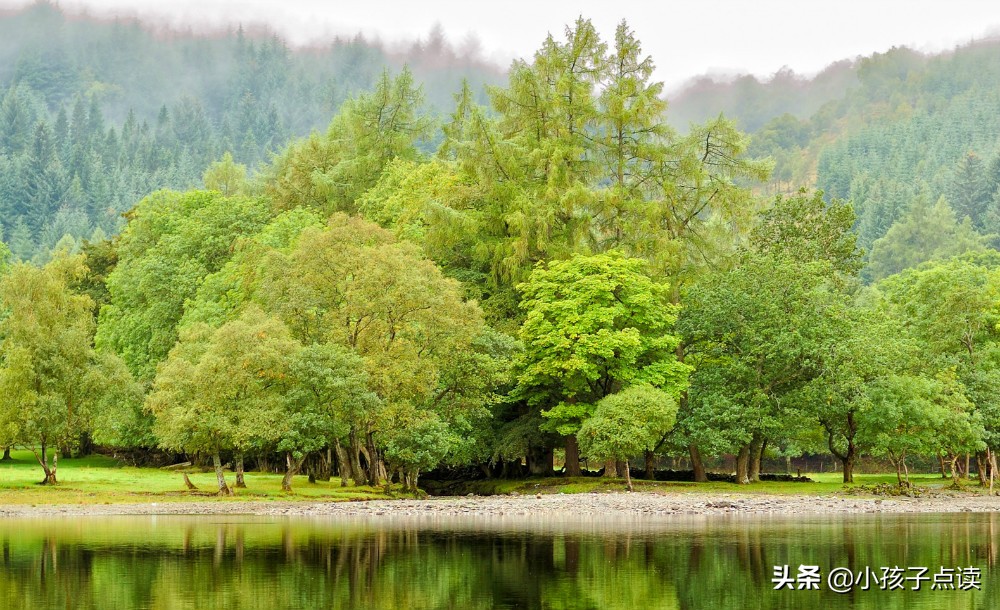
{"x": 981, "y": 468}
{"x": 239, "y": 471}
{"x": 628, "y": 476}
{"x": 944, "y": 468}
{"x": 756, "y": 450}
{"x": 697, "y": 465}
{"x": 6, "y": 455}
{"x": 220, "y": 476}
{"x": 847, "y": 458}
{"x": 188, "y": 483}
{"x": 743, "y": 465}
{"x": 540, "y": 461}
{"x": 354, "y": 453}
{"x": 376, "y": 468}
{"x": 572, "y": 457}
{"x": 86, "y": 445}
{"x": 650, "y": 466}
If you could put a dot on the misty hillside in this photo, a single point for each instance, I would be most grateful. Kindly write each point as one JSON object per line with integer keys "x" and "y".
{"x": 912, "y": 140}
{"x": 96, "y": 114}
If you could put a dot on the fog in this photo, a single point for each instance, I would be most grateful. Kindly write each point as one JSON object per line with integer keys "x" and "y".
{"x": 686, "y": 37}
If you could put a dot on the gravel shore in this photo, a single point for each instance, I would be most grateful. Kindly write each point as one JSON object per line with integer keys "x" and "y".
{"x": 587, "y": 505}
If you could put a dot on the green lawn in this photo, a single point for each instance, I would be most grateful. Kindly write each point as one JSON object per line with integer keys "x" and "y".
{"x": 102, "y": 480}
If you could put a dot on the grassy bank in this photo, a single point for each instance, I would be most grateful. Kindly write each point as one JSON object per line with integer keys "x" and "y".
{"x": 822, "y": 484}
{"x": 103, "y": 480}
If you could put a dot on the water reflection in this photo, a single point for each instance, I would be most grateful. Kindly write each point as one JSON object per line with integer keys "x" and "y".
{"x": 190, "y": 562}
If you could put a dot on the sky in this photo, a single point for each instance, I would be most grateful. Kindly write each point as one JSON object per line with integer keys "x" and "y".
{"x": 686, "y": 38}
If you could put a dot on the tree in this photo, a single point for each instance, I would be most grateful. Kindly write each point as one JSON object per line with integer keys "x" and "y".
{"x": 594, "y": 326}
{"x": 970, "y": 193}
{"x": 950, "y": 308}
{"x": 327, "y": 393}
{"x": 224, "y": 389}
{"x": 226, "y": 176}
{"x": 628, "y": 423}
{"x": 923, "y": 233}
{"x": 172, "y": 242}
{"x": 755, "y": 335}
{"x": 47, "y": 356}
{"x": 354, "y": 286}
{"x": 869, "y": 346}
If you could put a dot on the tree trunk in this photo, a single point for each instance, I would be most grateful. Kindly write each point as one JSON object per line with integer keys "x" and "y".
{"x": 611, "y": 469}
{"x": 700, "y": 476}
{"x": 376, "y": 468}
{"x": 220, "y": 477}
{"x": 572, "y": 457}
{"x": 993, "y": 466}
{"x": 628, "y": 476}
{"x": 743, "y": 465}
{"x": 343, "y": 464}
{"x": 899, "y": 470}
{"x": 6, "y": 455}
{"x": 239, "y": 471}
{"x": 188, "y": 483}
{"x": 86, "y": 445}
{"x": 848, "y": 463}
{"x": 756, "y": 450}
{"x": 650, "y": 466}
{"x": 354, "y": 452}
{"x": 43, "y": 461}
{"x": 981, "y": 458}
{"x": 944, "y": 470}
{"x": 953, "y": 467}
{"x": 965, "y": 473}
{"x": 292, "y": 467}
{"x": 540, "y": 461}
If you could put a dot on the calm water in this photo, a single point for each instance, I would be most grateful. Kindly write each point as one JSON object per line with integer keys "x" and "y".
{"x": 171, "y": 563}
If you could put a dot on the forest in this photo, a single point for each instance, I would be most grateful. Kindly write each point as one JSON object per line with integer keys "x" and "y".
{"x": 541, "y": 271}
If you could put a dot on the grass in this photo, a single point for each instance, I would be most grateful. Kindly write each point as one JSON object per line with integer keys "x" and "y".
{"x": 824, "y": 484}
{"x": 103, "y": 480}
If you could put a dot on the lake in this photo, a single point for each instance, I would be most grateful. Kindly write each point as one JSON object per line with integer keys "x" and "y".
{"x": 715, "y": 562}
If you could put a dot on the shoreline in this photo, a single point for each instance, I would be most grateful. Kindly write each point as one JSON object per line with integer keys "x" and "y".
{"x": 588, "y": 505}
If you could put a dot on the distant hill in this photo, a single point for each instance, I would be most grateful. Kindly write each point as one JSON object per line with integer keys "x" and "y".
{"x": 95, "y": 114}
{"x": 885, "y": 131}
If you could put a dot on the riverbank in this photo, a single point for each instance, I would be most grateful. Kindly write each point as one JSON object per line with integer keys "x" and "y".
{"x": 641, "y": 504}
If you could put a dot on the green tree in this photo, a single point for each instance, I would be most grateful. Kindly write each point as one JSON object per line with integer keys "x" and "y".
{"x": 226, "y": 176}
{"x": 172, "y": 242}
{"x": 923, "y": 233}
{"x": 354, "y": 286}
{"x": 47, "y": 357}
{"x": 595, "y": 325}
{"x": 628, "y": 423}
{"x": 224, "y": 390}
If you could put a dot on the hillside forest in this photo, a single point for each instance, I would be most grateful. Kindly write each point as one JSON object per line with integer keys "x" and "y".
{"x": 539, "y": 270}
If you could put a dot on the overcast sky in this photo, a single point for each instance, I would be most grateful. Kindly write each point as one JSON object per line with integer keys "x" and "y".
{"x": 685, "y": 37}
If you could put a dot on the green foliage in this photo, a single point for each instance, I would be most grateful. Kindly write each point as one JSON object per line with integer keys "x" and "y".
{"x": 923, "y": 233}
{"x": 173, "y": 241}
{"x": 628, "y": 423}
{"x": 594, "y": 326}
{"x": 224, "y": 389}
